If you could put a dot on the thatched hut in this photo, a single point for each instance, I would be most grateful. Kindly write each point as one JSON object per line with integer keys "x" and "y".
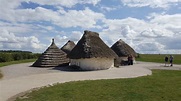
{"x": 122, "y": 49}
{"x": 68, "y": 47}
{"x": 52, "y": 57}
{"x": 91, "y": 53}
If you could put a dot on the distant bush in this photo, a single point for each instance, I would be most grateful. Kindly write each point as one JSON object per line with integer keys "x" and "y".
{"x": 14, "y": 51}
{"x": 6, "y": 56}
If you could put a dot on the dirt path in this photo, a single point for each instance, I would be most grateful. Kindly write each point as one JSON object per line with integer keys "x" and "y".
{"x": 20, "y": 78}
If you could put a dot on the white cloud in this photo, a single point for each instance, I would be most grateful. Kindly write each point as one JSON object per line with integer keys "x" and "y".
{"x": 29, "y": 15}
{"x": 82, "y": 18}
{"x": 16, "y": 27}
{"x": 66, "y": 3}
{"x": 24, "y": 28}
{"x": 169, "y": 23}
{"x": 75, "y": 36}
{"x": 8, "y": 40}
{"x": 150, "y": 47}
{"x": 12, "y": 4}
{"x": 61, "y": 39}
{"x": 167, "y": 20}
{"x": 108, "y": 9}
{"x": 72, "y": 18}
{"x": 154, "y": 36}
{"x": 49, "y": 28}
{"x": 150, "y": 3}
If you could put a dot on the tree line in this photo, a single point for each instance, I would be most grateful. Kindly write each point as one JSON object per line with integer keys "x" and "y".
{"x": 14, "y": 55}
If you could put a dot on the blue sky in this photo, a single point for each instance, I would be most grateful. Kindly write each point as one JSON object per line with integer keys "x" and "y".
{"x": 148, "y": 26}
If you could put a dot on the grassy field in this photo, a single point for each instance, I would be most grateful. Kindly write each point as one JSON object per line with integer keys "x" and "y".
{"x": 159, "y": 58}
{"x": 163, "y": 85}
{"x": 16, "y": 62}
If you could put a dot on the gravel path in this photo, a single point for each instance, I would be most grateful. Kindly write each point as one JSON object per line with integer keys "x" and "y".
{"x": 21, "y": 77}
{"x": 25, "y": 69}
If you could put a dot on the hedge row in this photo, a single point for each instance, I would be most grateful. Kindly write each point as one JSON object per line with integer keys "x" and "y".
{"x": 14, "y": 56}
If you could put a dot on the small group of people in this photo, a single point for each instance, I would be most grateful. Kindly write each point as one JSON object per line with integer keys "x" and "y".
{"x": 170, "y": 60}
{"x": 130, "y": 60}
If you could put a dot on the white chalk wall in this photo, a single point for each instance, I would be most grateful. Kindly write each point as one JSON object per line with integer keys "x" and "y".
{"x": 93, "y": 63}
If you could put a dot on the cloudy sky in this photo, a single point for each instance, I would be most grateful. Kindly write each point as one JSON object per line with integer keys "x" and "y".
{"x": 149, "y": 26}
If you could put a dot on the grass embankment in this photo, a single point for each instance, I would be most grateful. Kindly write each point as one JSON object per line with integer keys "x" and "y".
{"x": 159, "y": 58}
{"x": 163, "y": 85}
{"x": 14, "y": 62}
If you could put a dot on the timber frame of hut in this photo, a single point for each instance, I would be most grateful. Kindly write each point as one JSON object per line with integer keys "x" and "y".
{"x": 91, "y": 53}
{"x": 123, "y": 50}
{"x": 52, "y": 57}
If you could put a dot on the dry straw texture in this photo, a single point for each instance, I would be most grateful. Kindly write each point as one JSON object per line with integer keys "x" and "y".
{"x": 122, "y": 49}
{"x": 68, "y": 47}
{"x": 91, "y": 46}
{"x": 53, "y": 56}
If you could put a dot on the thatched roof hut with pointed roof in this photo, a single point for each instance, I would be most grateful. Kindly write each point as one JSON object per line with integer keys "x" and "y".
{"x": 122, "y": 49}
{"x": 91, "y": 53}
{"x": 68, "y": 47}
{"x": 52, "y": 57}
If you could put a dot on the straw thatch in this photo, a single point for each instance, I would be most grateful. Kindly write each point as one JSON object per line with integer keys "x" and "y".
{"x": 68, "y": 47}
{"x": 91, "y": 46}
{"x": 122, "y": 49}
{"x": 53, "y": 56}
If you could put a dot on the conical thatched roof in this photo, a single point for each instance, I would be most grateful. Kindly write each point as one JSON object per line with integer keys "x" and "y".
{"x": 123, "y": 49}
{"x": 53, "y": 56}
{"x": 91, "y": 46}
{"x": 68, "y": 47}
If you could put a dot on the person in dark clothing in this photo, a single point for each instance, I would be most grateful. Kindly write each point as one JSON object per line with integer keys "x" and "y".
{"x": 171, "y": 60}
{"x": 129, "y": 62}
{"x": 131, "y": 59}
{"x": 166, "y": 60}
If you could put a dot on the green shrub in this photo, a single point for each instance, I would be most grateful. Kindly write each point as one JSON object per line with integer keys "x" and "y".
{"x": 7, "y": 56}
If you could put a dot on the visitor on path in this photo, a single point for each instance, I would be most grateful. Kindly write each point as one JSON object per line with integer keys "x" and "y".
{"x": 171, "y": 60}
{"x": 130, "y": 60}
{"x": 166, "y": 60}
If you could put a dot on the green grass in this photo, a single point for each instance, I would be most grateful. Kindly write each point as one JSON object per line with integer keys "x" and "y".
{"x": 16, "y": 62}
{"x": 163, "y": 85}
{"x": 159, "y": 58}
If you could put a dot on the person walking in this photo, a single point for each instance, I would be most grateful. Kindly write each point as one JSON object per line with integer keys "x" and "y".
{"x": 131, "y": 60}
{"x": 171, "y": 60}
{"x": 166, "y": 60}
